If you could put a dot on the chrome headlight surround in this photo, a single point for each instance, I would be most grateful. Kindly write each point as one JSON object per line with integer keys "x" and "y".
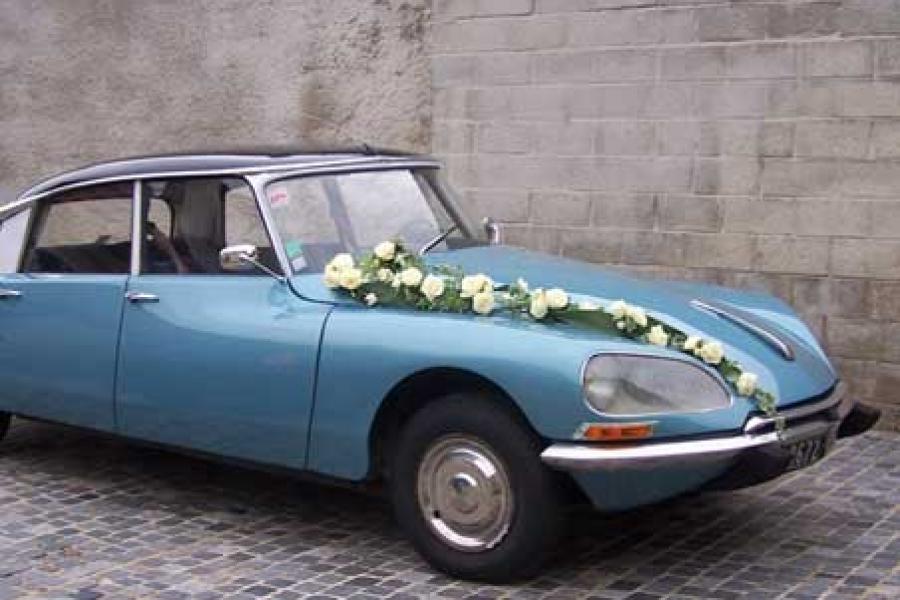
{"x": 640, "y": 385}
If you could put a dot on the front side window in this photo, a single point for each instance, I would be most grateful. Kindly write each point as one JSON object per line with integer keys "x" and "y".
{"x": 319, "y": 216}
{"x": 87, "y": 230}
{"x": 188, "y": 221}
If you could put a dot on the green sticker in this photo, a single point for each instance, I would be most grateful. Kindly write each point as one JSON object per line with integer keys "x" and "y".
{"x": 293, "y": 248}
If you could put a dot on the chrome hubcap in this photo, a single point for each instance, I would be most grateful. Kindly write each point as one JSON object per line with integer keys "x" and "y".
{"x": 464, "y": 494}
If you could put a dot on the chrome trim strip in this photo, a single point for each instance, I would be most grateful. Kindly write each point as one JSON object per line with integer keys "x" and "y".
{"x": 258, "y": 185}
{"x": 607, "y": 457}
{"x": 764, "y": 334}
{"x": 837, "y": 398}
{"x": 585, "y": 457}
{"x": 297, "y": 168}
{"x": 136, "y": 240}
{"x": 136, "y": 297}
{"x": 349, "y": 168}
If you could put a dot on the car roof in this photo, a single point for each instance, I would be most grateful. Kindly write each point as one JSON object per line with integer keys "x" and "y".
{"x": 241, "y": 161}
{"x": 237, "y": 161}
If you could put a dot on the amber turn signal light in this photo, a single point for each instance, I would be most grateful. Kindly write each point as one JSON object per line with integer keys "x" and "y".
{"x": 614, "y": 432}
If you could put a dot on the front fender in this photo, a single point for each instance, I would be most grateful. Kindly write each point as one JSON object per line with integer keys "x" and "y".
{"x": 366, "y": 352}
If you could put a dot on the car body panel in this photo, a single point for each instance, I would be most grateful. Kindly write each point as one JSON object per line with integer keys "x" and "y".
{"x": 58, "y": 344}
{"x": 221, "y": 364}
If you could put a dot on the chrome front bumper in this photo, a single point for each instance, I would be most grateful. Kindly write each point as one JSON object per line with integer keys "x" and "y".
{"x": 809, "y": 421}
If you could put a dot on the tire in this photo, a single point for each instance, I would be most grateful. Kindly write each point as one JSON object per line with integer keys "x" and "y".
{"x": 5, "y": 418}
{"x": 448, "y": 456}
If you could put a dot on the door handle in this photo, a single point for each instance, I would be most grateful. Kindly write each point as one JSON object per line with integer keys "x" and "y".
{"x": 141, "y": 297}
{"x": 7, "y": 294}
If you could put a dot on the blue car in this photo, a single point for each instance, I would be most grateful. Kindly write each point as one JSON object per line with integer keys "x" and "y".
{"x": 180, "y": 300}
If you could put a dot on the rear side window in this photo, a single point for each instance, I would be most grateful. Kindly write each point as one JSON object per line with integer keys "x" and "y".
{"x": 82, "y": 231}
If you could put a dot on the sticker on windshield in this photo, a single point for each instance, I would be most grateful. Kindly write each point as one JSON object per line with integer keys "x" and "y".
{"x": 298, "y": 263}
{"x": 293, "y": 248}
{"x": 279, "y": 197}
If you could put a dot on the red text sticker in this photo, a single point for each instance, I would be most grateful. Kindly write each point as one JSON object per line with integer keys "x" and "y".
{"x": 278, "y": 197}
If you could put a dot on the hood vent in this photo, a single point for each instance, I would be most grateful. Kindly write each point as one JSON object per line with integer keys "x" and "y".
{"x": 748, "y": 322}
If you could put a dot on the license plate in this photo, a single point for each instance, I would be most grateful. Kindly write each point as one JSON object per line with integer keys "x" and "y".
{"x": 807, "y": 452}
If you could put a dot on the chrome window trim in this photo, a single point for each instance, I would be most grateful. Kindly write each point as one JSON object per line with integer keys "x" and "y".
{"x": 334, "y": 166}
{"x": 352, "y": 168}
{"x": 137, "y": 199}
{"x": 14, "y": 231}
{"x": 764, "y": 334}
{"x": 258, "y": 186}
{"x": 650, "y": 355}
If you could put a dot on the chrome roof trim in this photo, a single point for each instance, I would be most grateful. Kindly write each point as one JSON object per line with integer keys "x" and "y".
{"x": 298, "y": 168}
{"x": 745, "y": 321}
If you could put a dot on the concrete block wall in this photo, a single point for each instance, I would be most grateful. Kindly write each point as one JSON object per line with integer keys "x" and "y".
{"x": 84, "y": 80}
{"x": 753, "y": 144}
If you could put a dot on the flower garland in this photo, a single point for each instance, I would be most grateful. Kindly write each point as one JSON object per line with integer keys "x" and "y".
{"x": 391, "y": 275}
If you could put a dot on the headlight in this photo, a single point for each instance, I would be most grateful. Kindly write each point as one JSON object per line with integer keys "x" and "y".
{"x": 641, "y": 385}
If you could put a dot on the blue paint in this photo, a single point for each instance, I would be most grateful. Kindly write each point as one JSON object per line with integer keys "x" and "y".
{"x": 223, "y": 364}
{"x": 58, "y": 347}
{"x": 247, "y": 367}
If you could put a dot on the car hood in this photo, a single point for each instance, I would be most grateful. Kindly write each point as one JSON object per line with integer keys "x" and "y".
{"x": 808, "y": 373}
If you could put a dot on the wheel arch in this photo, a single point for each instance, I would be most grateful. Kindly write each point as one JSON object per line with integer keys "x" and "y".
{"x": 417, "y": 390}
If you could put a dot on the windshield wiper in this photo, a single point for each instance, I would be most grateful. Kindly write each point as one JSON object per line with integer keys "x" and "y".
{"x": 437, "y": 239}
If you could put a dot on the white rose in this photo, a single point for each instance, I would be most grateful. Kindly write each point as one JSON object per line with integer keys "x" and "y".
{"x": 473, "y": 284}
{"x": 371, "y": 299}
{"x": 538, "y": 308}
{"x": 711, "y": 352}
{"x": 342, "y": 261}
{"x": 522, "y": 284}
{"x": 384, "y": 275}
{"x": 350, "y": 278}
{"x": 557, "y": 299}
{"x": 618, "y": 309}
{"x": 396, "y": 281}
{"x": 432, "y": 287}
{"x": 692, "y": 342}
{"x": 332, "y": 277}
{"x": 637, "y": 315}
{"x": 469, "y": 286}
{"x": 386, "y": 250}
{"x": 483, "y": 303}
{"x": 658, "y": 336}
{"x": 588, "y": 305}
{"x": 746, "y": 384}
{"x": 411, "y": 277}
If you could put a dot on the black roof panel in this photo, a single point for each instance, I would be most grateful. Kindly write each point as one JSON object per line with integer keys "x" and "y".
{"x": 238, "y": 160}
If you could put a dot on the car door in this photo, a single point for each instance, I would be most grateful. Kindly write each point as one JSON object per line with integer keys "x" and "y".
{"x": 218, "y": 361}
{"x": 60, "y": 312}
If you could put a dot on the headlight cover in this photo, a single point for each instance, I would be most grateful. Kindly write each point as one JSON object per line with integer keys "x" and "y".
{"x": 626, "y": 385}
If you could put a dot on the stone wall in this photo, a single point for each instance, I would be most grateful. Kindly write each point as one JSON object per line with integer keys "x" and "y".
{"x": 754, "y": 144}
{"x": 85, "y": 80}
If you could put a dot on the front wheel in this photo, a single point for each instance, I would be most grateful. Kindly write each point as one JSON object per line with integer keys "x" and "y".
{"x": 469, "y": 489}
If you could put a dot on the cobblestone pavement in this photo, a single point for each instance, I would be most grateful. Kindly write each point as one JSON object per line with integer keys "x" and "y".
{"x": 87, "y": 517}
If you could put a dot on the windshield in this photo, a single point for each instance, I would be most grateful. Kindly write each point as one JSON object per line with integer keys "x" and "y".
{"x": 319, "y": 216}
